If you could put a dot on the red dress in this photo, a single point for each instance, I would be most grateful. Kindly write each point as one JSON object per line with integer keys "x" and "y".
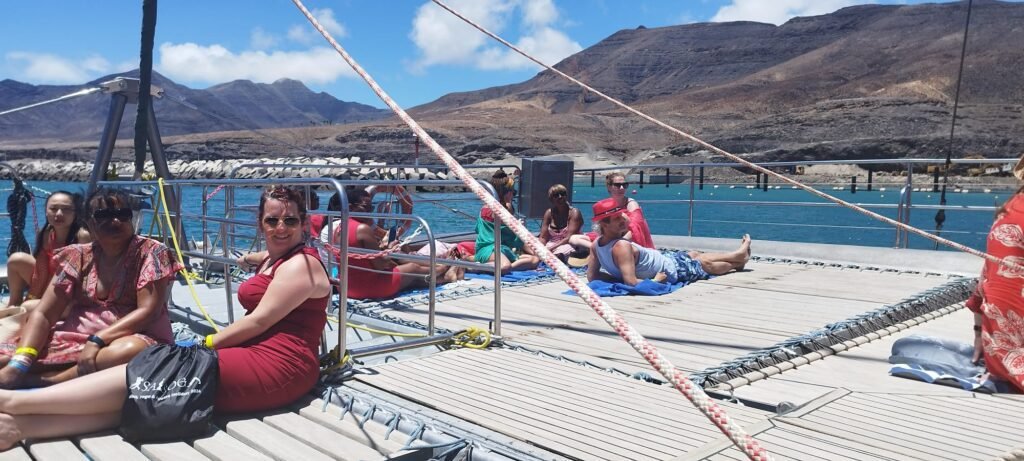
{"x": 365, "y": 284}
{"x": 1002, "y": 307}
{"x": 278, "y": 366}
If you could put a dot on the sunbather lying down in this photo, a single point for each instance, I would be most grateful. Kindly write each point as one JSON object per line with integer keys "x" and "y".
{"x": 613, "y": 258}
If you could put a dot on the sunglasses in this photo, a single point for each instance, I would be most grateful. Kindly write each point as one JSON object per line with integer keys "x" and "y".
{"x": 620, "y": 185}
{"x": 110, "y": 214}
{"x": 559, "y": 194}
{"x": 272, "y": 222}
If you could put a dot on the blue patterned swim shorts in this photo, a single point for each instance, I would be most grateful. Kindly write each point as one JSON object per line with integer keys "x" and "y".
{"x": 688, "y": 270}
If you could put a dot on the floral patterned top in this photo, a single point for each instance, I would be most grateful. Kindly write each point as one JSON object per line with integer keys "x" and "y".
{"x": 146, "y": 261}
{"x": 1002, "y": 306}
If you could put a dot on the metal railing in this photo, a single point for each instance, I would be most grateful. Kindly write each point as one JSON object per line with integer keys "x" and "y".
{"x": 903, "y": 206}
{"x": 227, "y": 222}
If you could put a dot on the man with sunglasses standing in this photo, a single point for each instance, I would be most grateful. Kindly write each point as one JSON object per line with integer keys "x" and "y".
{"x": 639, "y": 232}
{"x": 115, "y": 293}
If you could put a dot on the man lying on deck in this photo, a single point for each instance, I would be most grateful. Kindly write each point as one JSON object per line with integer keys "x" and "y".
{"x": 614, "y": 259}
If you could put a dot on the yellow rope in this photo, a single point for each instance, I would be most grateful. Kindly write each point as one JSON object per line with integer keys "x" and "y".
{"x": 473, "y": 338}
{"x": 181, "y": 259}
{"x": 333, "y": 355}
{"x": 380, "y": 332}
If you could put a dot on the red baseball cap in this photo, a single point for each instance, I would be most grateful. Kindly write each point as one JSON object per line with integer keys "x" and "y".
{"x": 606, "y": 209}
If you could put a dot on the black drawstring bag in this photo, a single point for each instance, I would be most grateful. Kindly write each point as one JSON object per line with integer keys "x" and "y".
{"x": 171, "y": 390}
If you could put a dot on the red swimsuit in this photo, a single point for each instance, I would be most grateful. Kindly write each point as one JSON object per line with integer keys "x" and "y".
{"x": 278, "y": 366}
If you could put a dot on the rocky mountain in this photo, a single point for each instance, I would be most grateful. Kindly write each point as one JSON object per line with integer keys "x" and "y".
{"x": 240, "y": 104}
{"x": 866, "y": 81}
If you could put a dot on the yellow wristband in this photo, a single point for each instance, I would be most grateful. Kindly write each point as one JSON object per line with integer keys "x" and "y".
{"x": 209, "y": 342}
{"x": 27, "y": 350}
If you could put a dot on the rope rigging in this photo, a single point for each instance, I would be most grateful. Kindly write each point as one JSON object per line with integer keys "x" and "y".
{"x": 17, "y": 209}
{"x": 747, "y": 444}
{"x": 51, "y": 101}
{"x": 940, "y": 216}
{"x": 734, "y": 157}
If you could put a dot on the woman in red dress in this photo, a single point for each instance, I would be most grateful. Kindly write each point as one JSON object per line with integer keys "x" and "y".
{"x": 267, "y": 358}
{"x": 639, "y": 232}
{"x": 999, "y": 317}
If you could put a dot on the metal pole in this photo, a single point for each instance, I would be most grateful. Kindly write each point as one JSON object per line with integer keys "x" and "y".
{"x": 853, "y": 185}
{"x": 869, "y": 179}
{"x": 641, "y": 179}
{"x": 910, "y": 201}
{"x": 343, "y": 276}
{"x": 689, "y": 222}
{"x": 114, "y": 115}
{"x": 701, "y": 176}
{"x": 496, "y": 330}
{"x": 764, "y": 187}
{"x": 667, "y": 175}
{"x": 935, "y": 181}
{"x": 593, "y": 175}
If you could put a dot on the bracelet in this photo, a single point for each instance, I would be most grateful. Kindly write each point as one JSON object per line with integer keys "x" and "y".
{"x": 208, "y": 343}
{"x": 97, "y": 341}
{"x": 20, "y": 362}
{"x": 27, "y": 350}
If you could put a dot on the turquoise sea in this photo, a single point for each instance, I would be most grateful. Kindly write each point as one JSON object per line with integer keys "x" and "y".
{"x": 667, "y": 210}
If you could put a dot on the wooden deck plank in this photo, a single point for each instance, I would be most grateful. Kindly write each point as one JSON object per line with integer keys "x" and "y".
{"x": 15, "y": 453}
{"x": 349, "y": 428}
{"x": 172, "y": 451}
{"x": 559, "y": 404}
{"x": 55, "y": 450}
{"x": 882, "y": 423}
{"x": 562, "y": 384}
{"x": 867, "y": 433}
{"x": 812, "y": 428}
{"x": 508, "y": 421}
{"x": 324, "y": 440}
{"x": 979, "y": 427}
{"x": 272, "y": 442}
{"x": 109, "y": 447}
{"x": 220, "y": 446}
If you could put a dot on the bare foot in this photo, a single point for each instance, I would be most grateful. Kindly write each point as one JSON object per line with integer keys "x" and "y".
{"x": 10, "y": 435}
{"x": 451, "y": 275}
{"x": 745, "y": 249}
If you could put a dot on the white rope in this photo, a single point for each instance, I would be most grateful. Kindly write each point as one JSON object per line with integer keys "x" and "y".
{"x": 67, "y": 96}
{"x": 737, "y": 159}
{"x": 693, "y": 392}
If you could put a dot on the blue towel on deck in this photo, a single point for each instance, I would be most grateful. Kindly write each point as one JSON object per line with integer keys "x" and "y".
{"x": 515, "y": 276}
{"x": 940, "y": 361}
{"x": 644, "y": 288}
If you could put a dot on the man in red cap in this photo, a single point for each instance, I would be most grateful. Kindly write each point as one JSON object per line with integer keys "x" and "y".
{"x": 616, "y": 259}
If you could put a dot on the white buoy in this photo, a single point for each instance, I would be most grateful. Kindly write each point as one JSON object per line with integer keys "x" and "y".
{"x": 778, "y": 187}
{"x": 732, "y": 187}
{"x": 964, "y": 191}
{"x": 987, "y": 191}
{"x": 716, "y": 186}
{"x": 881, "y": 189}
{"x": 793, "y": 187}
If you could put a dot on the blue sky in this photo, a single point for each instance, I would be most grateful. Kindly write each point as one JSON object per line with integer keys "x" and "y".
{"x": 415, "y": 50}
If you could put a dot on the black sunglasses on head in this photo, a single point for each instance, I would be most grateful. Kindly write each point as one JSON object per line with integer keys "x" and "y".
{"x": 620, "y": 185}
{"x": 290, "y": 221}
{"x": 110, "y": 214}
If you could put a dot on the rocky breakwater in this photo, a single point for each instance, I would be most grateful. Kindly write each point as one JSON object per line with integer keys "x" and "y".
{"x": 261, "y": 168}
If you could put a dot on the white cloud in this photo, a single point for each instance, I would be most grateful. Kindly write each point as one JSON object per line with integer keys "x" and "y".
{"x": 53, "y": 69}
{"x": 260, "y": 39}
{"x": 777, "y": 11}
{"x": 216, "y": 64}
{"x": 443, "y": 38}
{"x": 305, "y": 33}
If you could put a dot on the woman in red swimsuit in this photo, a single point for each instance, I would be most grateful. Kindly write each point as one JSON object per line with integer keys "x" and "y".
{"x": 639, "y": 232}
{"x": 63, "y": 227}
{"x": 267, "y": 358}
